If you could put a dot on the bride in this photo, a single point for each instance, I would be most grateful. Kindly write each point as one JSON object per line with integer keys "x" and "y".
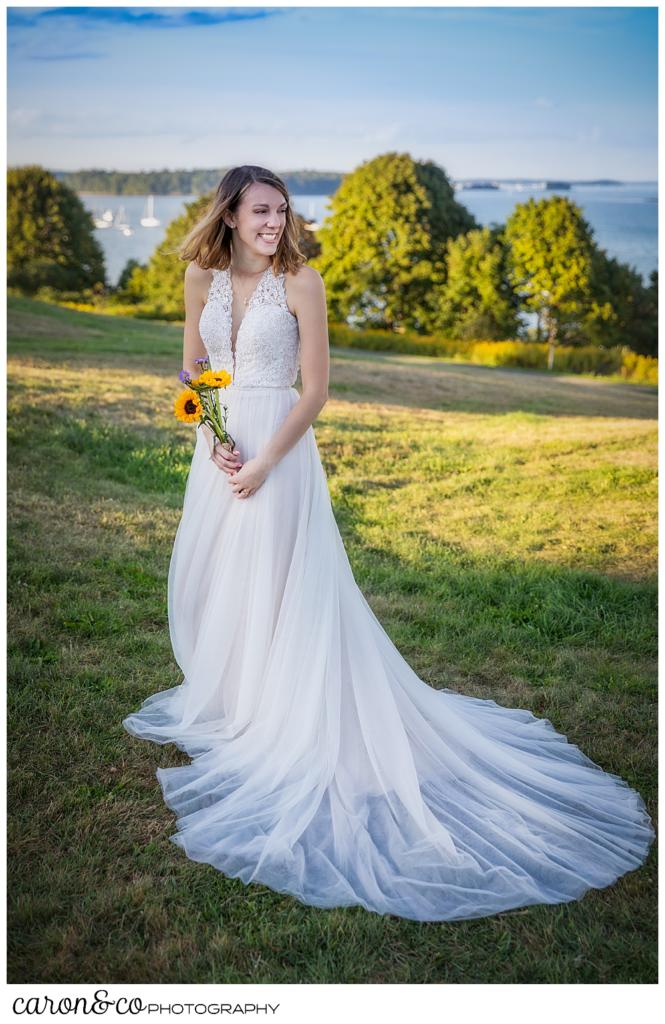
{"x": 321, "y": 765}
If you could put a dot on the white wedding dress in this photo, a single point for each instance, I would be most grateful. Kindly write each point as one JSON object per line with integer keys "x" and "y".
{"x": 321, "y": 765}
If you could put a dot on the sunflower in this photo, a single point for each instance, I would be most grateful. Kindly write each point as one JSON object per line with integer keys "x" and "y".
{"x": 187, "y": 407}
{"x": 214, "y": 378}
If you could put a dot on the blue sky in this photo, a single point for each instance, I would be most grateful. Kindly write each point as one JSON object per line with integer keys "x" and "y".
{"x": 484, "y": 92}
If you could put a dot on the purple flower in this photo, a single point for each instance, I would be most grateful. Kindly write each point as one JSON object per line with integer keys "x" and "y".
{"x": 204, "y": 360}
{"x": 184, "y": 376}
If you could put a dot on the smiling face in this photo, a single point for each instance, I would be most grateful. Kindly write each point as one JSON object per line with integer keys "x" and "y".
{"x": 260, "y": 218}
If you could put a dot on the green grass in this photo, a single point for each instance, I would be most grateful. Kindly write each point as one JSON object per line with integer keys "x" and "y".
{"x": 502, "y": 525}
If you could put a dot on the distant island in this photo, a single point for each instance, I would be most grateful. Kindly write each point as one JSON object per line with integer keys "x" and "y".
{"x": 185, "y": 183}
{"x": 322, "y": 183}
{"x": 544, "y": 183}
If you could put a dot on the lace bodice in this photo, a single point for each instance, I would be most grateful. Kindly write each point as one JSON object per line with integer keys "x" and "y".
{"x": 267, "y": 346}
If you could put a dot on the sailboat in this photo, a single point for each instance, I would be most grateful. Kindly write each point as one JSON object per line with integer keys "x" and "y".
{"x": 106, "y": 219}
{"x": 148, "y": 220}
{"x": 121, "y": 222}
{"x": 102, "y": 221}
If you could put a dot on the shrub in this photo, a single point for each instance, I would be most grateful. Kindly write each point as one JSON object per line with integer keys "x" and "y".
{"x": 618, "y": 359}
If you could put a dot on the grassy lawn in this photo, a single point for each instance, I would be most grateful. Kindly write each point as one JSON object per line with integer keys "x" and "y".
{"x": 501, "y": 523}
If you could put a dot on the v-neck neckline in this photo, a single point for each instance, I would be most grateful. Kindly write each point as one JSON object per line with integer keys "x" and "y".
{"x": 248, "y": 306}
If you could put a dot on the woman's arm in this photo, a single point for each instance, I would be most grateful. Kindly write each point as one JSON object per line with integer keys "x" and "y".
{"x": 308, "y": 298}
{"x": 196, "y": 288}
{"x": 197, "y": 283}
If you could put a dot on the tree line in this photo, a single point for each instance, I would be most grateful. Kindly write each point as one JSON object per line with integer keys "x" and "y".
{"x": 397, "y": 253}
{"x": 183, "y": 182}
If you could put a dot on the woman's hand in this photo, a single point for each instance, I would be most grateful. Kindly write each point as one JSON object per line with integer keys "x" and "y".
{"x": 221, "y": 454}
{"x": 249, "y": 478}
{"x": 226, "y": 459}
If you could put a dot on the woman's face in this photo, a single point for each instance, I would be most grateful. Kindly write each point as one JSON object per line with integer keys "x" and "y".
{"x": 260, "y": 218}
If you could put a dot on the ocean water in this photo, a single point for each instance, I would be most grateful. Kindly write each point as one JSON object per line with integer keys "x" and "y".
{"x": 624, "y": 218}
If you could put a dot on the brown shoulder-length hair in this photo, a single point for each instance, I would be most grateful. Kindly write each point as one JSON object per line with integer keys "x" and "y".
{"x": 209, "y": 241}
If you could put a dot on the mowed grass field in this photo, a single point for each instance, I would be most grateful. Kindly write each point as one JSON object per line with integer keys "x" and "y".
{"x": 502, "y": 525}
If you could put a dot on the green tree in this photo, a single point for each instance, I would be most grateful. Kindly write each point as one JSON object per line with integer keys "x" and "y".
{"x": 623, "y": 311}
{"x": 550, "y": 256}
{"x": 130, "y": 266}
{"x": 477, "y": 300}
{"x": 160, "y": 283}
{"x": 129, "y": 288}
{"x": 648, "y": 345}
{"x": 50, "y": 235}
{"x": 383, "y": 246}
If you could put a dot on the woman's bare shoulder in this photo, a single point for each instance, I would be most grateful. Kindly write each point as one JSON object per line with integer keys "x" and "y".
{"x": 305, "y": 283}
{"x": 306, "y": 289}
{"x": 197, "y": 280}
{"x": 197, "y": 273}
{"x": 305, "y": 277}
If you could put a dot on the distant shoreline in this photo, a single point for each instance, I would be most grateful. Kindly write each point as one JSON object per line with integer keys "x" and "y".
{"x": 462, "y": 185}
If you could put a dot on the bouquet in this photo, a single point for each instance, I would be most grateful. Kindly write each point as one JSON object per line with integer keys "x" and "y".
{"x": 199, "y": 403}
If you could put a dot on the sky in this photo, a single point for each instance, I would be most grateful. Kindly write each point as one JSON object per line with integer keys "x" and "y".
{"x": 485, "y": 92}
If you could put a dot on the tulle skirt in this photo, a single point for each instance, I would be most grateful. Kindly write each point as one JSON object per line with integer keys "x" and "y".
{"x": 321, "y": 765}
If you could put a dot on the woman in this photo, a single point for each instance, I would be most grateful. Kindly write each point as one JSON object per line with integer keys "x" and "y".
{"x": 322, "y": 765}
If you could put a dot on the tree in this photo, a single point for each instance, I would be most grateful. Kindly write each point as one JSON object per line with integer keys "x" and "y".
{"x": 550, "y": 264}
{"x": 623, "y": 311}
{"x": 129, "y": 288}
{"x": 383, "y": 246}
{"x": 130, "y": 266}
{"x": 477, "y": 300}
{"x": 50, "y": 235}
{"x": 159, "y": 283}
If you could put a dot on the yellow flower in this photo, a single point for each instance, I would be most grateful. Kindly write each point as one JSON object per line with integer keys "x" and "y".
{"x": 207, "y": 379}
{"x": 214, "y": 378}
{"x": 223, "y": 378}
{"x": 187, "y": 407}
